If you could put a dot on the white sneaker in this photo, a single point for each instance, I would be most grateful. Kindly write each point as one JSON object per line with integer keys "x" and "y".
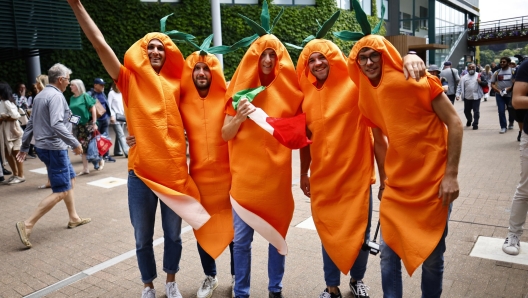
{"x": 17, "y": 180}
{"x": 171, "y": 288}
{"x": 207, "y": 287}
{"x": 233, "y": 286}
{"x": 511, "y": 245}
{"x": 148, "y": 293}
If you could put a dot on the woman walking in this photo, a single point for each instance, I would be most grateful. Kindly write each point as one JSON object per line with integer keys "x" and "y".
{"x": 83, "y": 105}
{"x": 486, "y": 75}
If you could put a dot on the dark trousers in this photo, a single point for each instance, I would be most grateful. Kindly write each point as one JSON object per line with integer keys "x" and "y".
{"x": 209, "y": 264}
{"x": 471, "y": 104}
{"x": 451, "y": 98}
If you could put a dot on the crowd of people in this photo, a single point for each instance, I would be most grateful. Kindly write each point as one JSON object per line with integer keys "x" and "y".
{"x": 476, "y": 83}
{"x": 224, "y": 197}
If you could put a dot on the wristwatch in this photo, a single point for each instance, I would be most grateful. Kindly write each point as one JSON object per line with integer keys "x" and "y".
{"x": 411, "y": 53}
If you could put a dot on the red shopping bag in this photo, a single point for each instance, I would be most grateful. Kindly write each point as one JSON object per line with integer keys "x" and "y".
{"x": 103, "y": 142}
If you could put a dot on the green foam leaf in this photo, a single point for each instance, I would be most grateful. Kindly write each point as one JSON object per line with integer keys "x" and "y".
{"x": 163, "y": 21}
{"x": 361, "y": 17}
{"x": 277, "y": 18}
{"x": 256, "y": 27}
{"x": 250, "y": 94}
{"x": 220, "y": 50}
{"x": 179, "y": 35}
{"x": 293, "y": 46}
{"x": 327, "y": 25}
{"x": 245, "y": 42}
{"x": 264, "y": 16}
{"x": 207, "y": 42}
{"x": 378, "y": 26}
{"x": 349, "y": 36}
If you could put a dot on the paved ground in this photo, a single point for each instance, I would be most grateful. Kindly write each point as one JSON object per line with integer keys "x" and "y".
{"x": 488, "y": 175}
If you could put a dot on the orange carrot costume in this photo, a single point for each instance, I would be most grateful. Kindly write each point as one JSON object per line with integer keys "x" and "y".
{"x": 342, "y": 165}
{"x": 151, "y": 106}
{"x": 203, "y": 119}
{"x": 261, "y": 167}
{"x": 412, "y": 217}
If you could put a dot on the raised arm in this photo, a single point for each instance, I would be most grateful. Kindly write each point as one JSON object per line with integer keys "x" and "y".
{"x": 449, "y": 188}
{"x": 105, "y": 52}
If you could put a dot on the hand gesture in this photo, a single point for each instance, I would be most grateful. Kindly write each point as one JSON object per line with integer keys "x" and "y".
{"x": 131, "y": 141}
{"x": 21, "y": 156}
{"x": 244, "y": 109}
{"x": 414, "y": 66}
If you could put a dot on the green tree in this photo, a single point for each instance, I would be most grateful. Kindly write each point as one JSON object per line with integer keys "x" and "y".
{"x": 486, "y": 57}
{"x": 507, "y": 53}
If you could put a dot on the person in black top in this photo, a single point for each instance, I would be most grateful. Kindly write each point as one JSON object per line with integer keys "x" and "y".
{"x": 520, "y": 199}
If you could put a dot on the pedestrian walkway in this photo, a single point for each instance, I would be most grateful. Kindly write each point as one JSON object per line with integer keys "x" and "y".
{"x": 98, "y": 260}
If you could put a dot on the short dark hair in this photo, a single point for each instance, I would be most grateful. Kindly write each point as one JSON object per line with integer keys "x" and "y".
{"x": 508, "y": 60}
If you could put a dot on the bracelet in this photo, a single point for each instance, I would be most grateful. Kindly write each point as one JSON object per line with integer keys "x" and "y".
{"x": 304, "y": 174}
{"x": 411, "y": 53}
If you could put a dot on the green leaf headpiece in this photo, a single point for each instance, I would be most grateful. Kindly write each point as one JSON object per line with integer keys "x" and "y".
{"x": 323, "y": 29}
{"x": 260, "y": 30}
{"x": 361, "y": 17}
{"x": 206, "y": 48}
{"x": 178, "y": 36}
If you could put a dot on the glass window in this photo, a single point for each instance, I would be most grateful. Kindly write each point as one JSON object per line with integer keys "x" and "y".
{"x": 378, "y": 7}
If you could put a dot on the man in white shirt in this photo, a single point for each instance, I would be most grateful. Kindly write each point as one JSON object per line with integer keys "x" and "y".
{"x": 470, "y": 90}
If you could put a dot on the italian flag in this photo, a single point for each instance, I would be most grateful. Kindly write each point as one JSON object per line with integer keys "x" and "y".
{"x": 290, "y": 132}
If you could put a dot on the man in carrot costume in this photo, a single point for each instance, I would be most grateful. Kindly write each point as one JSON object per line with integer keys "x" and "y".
{"x": 202, "y": 108}
{"x": 341, "y": 199}
{"x": 150, "y": 83}
{"x": 421, "y": 162}
{"x": 202, "y": 105}
{"x": 260, "y": 165}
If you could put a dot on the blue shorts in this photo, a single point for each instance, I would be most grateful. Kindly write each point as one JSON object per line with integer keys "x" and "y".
{"x": 60, "y": 170}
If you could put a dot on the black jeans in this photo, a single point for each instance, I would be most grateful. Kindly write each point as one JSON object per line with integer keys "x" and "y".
{"x": 451, "y": 98}
{"x": 471, "y": 104}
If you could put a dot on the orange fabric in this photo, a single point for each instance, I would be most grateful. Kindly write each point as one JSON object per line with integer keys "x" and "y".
{"x": 342, "y": 163}
{"x": 260, "y": 165}
{"x": 412, "y": 216}
{"x": 151, "y": 106}
{"x": 203, "y": 119}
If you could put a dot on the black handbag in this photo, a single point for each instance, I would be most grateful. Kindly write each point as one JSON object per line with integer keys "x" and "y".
{"x": 120, "y": 117}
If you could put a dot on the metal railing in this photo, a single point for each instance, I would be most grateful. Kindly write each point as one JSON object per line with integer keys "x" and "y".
{"x": 499, "y": 29}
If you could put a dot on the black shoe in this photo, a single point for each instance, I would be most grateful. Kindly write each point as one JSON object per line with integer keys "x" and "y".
{"x": 7, "y": 172}
{"x": 29, "y": 156}
{"x": 325, "y": 294}
{"x": 468, "y": 124}
{"x": 519, "y": 136}
{"x": 109, "y": 159}
{"x": 121, "y": 154}
{"x": 475, "y": 127}
{"x": 359, "y": 289}
{"x": 2, "y": 178}
{"x": 275, "y": 295}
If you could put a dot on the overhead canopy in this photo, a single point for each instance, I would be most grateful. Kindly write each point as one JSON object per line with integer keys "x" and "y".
{"x": 36, "y": 24}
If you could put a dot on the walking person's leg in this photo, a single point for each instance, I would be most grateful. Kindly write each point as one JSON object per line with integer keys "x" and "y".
{"x": 501, "y": 108}
{"x": 210, "y": 282}
{"x": 358, "y": 270}
{"x": 391, "y": 276}
{"x": 276, "y": 266}
{"x": 519, "y": 206}
{"x": 467, "y": 111}
{"x": 332, "y": 275}
{"x": 60, "y": 173}
{"x": 476, "y": 113}
{"x": 242, "y": 256}
{"x": 142, "y": 205}
{"x": 117, "y": 148}
{"x": 120, "y": 140}
{"x": 172, "y": 250}
{"x": 433, "y": 270}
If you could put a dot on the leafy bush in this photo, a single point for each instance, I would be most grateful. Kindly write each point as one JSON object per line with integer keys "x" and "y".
{"x": 124, "y": 22}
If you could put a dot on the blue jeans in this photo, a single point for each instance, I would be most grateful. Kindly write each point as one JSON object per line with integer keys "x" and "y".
{"x": 357, "y": 272}
{"x": 209, "y": 264}
{"x": 142, "y": 204}
{"x": 120, "y": 145}
{"x": 432, "y": 270}
{"x": 242, "y": 257}
{"x": 502, "y": 103}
